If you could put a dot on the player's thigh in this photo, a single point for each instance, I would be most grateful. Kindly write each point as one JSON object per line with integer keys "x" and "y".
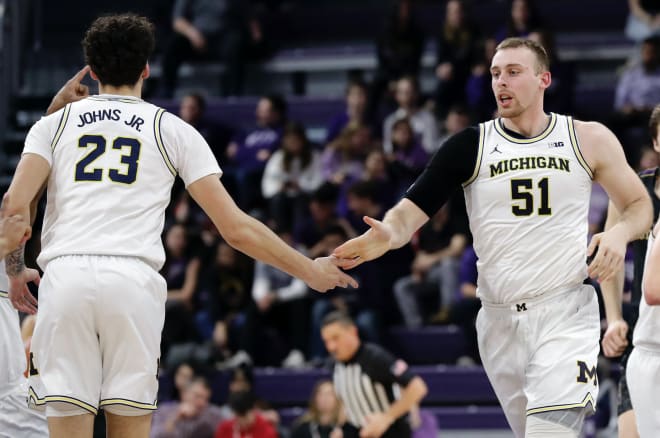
{"x": 65, "y": 357}
{"x": 561, "y": 373}
{"x": 643, "y": 374}
{"x": 129, "y": 330}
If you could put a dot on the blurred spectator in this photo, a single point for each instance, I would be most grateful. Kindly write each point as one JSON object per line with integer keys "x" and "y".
{"x": 248, "y": 154}
{"x": 478, "y": 89}
{"x": 440, "y": 244}
{"x": 423, "y": 423}
{"x": 192, "y": 110}
{"x": 324, "y": 417}
{"x": 193, "y": 417}
{"x": 643, "y": 19}
{"x": 247, "y": 423}
{"x": 649, "y": 159}
{"x": 343, "y": 159}
{"x": 291, "y": 174}
{"x": 558, "y": 97}
{"x": 183, "y": 376}
{"x": 355, "y": 113}
{"x": 210, "y": 29}
{"x": 280, "y": 304}
{"x": 408, "y": 157}
{"x": 458, "y": 119}
{"x": 423, "y": 122}
{"x": 181, "y": 270}
{"x": 379, "y": 374}
{"x": 399, "y": 51}
{"x": 523, "y": 18}
{"x": 464, "y": 312}
{"x": 457, "y": 47}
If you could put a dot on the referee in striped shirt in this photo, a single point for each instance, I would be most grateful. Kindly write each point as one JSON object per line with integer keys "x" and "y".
{"x": 377, "y": 389}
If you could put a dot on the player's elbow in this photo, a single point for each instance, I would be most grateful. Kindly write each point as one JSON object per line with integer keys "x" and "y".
{"x": 238, "y": 232}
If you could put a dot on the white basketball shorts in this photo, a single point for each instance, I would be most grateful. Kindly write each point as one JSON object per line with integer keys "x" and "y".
{"x": 540, "y": 354}
{"x": 643, "y": 374}
{"x": 16, "y": 419}
{"x": 97, "y": 338}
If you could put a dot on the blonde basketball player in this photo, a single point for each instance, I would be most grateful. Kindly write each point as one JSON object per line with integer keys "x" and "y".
{"x": 643, "y": 370}
{"x": 109, "y": 162}
{"x": 527, "y": 179}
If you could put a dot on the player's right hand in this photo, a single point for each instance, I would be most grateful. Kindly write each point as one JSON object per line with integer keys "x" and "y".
{"x": 19, "y": 294}
{"x": 372, "y": 244}
{"x": 327, "y": 275}
{"x": 615, "y": 338}
{"x": 73, "y": 91}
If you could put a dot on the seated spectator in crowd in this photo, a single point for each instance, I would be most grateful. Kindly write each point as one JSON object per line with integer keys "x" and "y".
{"x": 342, "y": 160}
{"x": 192, "y": 111}
{"x": 181, "y": 270}
{"x": 478, "y": 89}
{"x": 399, "y": 52}
{"x": 440, "y": 244}
{"x": 248, "y": 154}
{"x": 464, "y": 312}
{"x": 408, "y": 157}
{"x": 322, "y": 216}
{"x": 637, "y": 92}
{"x": 355, "y": 112}
{"x": 523, "y": 18}
{"x": 280, "y": 305}
{"x": 292, "y": 173}
{"x": 208, "y": 30}
{"x": 324, "y": 415}
{"x": 180, "y": 377}
{"x": 247, "y": 422}
{"x": 643, "y": 20}
{"x": 457, "y": 47}
{"x": 192, "y": 417}
{"x": 423, "y": 122}
{"x": 458, "y": 118}
{"x": 559, "y": 96}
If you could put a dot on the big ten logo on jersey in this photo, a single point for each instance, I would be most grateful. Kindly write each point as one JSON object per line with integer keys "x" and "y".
{"x": 556, "y": 144}
{"x": 114, "y": 115}
{"x": 586, "y": 373}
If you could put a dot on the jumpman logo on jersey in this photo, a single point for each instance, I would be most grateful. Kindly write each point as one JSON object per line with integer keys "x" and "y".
{"x": 496, "y": 150}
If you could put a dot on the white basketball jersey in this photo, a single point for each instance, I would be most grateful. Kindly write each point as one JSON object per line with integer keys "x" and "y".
{"x": 12, "y": 354}
{"x": 113, "y": 162}
{"x": 647, "y": 328}
{"x": 527, "y": 202}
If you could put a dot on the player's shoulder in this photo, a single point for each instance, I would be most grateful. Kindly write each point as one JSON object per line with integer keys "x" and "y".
{"x": 375, "y": 352}
{"x": 593, "y": 132}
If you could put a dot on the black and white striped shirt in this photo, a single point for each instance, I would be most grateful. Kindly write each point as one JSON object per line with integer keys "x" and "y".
{"x": 369, "y": 383}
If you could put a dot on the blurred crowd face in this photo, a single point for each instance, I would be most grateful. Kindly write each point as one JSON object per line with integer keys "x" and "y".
{"x": 265, "y": 113}
{"x": 225, "y": 255}
{"x": 183, "y": 376}
{"x": 198, "y": 396}
{"x": 293, "y": 143}
{"x": 190, "y": 111}
{"x": 456, "y": 122}
{"x": 454, "y": 14}
{"x": 406, "y": 94}
{"x": 175, "y": 239}
{"x": 402, "y": 134}
{"x": 239, "y": 382}
{"x": 325, "y": 399}
{"x": 341, "y": 341}
{"x": 520, "y": 12}
{"x": 356, "y": 100}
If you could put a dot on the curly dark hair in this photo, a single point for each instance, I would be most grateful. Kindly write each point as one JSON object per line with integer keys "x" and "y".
{"x": 117, "y": 48}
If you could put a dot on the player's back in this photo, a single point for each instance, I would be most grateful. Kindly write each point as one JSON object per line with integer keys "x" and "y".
{"x": 110, "y": 180}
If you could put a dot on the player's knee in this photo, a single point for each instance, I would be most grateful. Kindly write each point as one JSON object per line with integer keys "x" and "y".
{"x": 539, "y": 428}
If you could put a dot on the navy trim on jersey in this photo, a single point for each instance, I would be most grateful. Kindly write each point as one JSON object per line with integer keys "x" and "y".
{"x": 60, "y": 127}
{"x": 131, "y": 403}
{"x": 159, "y": 141}
{"x": 576, "y": 147}
{"x": 4, "y": 294}
{"x": 506, "y": 133}
{"x": 34, "y": 399}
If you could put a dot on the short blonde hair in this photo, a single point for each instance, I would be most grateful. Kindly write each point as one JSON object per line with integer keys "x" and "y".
{"x": 542, "y": 59}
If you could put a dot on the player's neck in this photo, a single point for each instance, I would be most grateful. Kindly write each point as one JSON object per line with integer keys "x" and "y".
{"x": 528, "y": 124}
{"x": 124, "y": 90}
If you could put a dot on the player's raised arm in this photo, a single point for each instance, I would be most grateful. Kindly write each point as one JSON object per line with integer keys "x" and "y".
{"x": 250, "y": 236}
{"x": 605, "y": 156}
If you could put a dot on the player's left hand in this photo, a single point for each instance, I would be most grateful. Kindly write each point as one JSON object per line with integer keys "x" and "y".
{"x": 328, "y": 276}
{"x": 610, "y": 247}
{"x": 376, "y": 425}
{"x": 19, "y": 294}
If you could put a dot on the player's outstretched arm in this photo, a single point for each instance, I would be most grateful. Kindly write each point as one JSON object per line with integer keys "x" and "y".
{"x": 394, "y": 231}
{"x": 651, "y": 281}
{"x": 614, "y": 340}
{"x": 250, "y": 236}
{"x": 605, "y": 157}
